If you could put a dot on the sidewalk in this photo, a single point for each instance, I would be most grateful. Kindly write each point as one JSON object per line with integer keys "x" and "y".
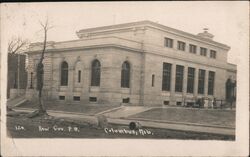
{"x": 143, "y": 122}
{"x": 127, "y": 111}
{"x": 16, "y": 101}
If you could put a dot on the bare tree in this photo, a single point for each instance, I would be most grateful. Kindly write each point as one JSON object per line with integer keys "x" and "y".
{"x": 42, "y": 110}
{"x": 16, "y": 44}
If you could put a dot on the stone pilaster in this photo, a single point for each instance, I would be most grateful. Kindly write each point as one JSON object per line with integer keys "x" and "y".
{"x": 185, "y": 73}
{"x": 70, "y": 84}
{"x": 172, "y": 88}
{"x": 206, "y": 83}
{"x": 196, "y": 80}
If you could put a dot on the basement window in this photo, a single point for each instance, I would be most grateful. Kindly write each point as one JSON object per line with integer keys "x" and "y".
{"x": 76, "y": 98}
{"x": 61, "y": 97}
{"x": 125, "y": 100}
{"x": 166, "y": 102}
{"x": 178, "y": 103}
{"x": 92, "y": 99}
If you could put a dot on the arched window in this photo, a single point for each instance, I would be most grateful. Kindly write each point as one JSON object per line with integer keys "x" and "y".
{"x": 95, "y": 73}
{"x": 125, "y": 75}
{"x": 64, "y": 74}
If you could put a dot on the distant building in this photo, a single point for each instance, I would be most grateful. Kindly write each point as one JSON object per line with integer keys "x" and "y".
{"x": 13, "y": 72}
{"x": 140, "y": 63}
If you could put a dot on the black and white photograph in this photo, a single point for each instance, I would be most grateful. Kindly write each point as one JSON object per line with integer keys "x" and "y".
{"x": 139, "y": 74}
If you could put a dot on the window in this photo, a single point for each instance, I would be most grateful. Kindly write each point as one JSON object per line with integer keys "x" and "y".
{"x": 92, "y": 99}
{"x": 125, "y": 75}
{"x": 203, "y": 51}
{"x": 79, "y": 76}
{"x": 211, "y": 76}
{"x": 166, "y": 102}
{"x": 166, "y": 77}
{"x": 201, "y": 81}
{"x": 61, "y": 97}
{"x": 192, "y": 48}
{"x": 181, "y": 45}
{"x": 179, "y": 78}
{"x": 212, "y": 54}
{"x": 76, "y": 98}
{"x": 153, "y": 80}
{"x": 64, "y": 74}
{"x": 178, "y": 103}
{"x": 169, "y": 42}
{"x": 125, "y": 100}
{"x": 96, "y": 73}
{"x": 190, "y": 80}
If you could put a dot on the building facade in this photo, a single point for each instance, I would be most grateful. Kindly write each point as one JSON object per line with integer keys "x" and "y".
{"x": 139, "y": 63}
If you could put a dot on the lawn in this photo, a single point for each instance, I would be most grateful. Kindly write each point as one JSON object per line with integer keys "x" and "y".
{"x": 22, "y": 127}
{"x": 200, "y": 116}
{"x": 89, "y": 109}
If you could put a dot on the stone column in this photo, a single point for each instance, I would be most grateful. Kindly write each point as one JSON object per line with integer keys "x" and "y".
{"x": 172, "y": 88}
{"x": 206, "y": 83}
{"x": 196, "y": 80}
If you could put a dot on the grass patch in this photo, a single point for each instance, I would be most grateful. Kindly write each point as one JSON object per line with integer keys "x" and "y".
{"x": 89, "y": 109}
{"x": 200, "y": 116}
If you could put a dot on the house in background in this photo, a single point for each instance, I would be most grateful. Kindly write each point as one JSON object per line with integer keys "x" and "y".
{"x": 138, "y": 63}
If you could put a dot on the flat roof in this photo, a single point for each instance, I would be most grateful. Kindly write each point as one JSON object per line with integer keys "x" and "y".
{"x": 152, "y": 24}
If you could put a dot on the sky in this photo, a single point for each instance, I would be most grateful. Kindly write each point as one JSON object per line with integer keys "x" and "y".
{"x": 227, "y": 21}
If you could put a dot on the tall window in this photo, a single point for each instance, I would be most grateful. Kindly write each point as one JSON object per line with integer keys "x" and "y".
{"x": 181, "y": 45}
{"x": 203, "y": 51}
{"x": 179, "y": 78}
{"x": 153, "y": 80}
{"x": 125, "y": 75}
{"x": 190, "y": 80}
{"x": 79, "y": 76}
{"x": 95, "y": 73}
{"x": 201, "y": 82}
{"x": 64, "y": 74}
{"x": 192, "y": 48}
{"x": 211, "y": 76}
{"x": 166, "y": 77}
{"x": 169, "y": 42}
{"x": 212, "y": 54}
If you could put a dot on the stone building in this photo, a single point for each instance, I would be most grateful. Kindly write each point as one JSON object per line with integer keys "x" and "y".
{"x": 139, "y": 63}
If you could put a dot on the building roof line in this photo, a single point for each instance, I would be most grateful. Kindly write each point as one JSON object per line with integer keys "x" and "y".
{"x": 150, "y": 23}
